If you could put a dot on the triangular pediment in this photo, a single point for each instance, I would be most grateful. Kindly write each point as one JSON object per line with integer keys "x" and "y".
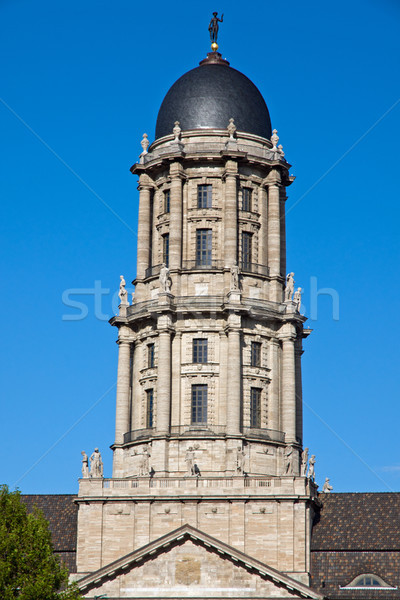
{"x": 190, "y": 563}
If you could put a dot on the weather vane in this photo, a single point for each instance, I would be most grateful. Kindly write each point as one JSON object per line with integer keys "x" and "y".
{"x": 213, "y": 29}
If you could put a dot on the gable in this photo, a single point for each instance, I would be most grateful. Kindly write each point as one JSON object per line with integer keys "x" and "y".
{"x": 189, "y": 563}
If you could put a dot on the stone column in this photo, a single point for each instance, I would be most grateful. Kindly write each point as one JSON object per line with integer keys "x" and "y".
{"x": 144, "y": 226}
{"x": 273, "y": 395}
{"x": 288, "y": 389}
{"x": 274, "y": 225}
{"x": 164, "y": 382}
{"x": 263, "y": 236}
{"x": 175, "y": 224}
{"x": 122, "y": 424}
{"x": 230, "y": 214}
{"x": 135, "y": 420}
{"x": 234, "y": 396}
{"x": 283, "y": 198}
{"x": 299, "y": 392}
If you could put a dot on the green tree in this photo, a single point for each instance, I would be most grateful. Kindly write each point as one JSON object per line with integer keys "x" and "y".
{"x": 28, "y": 568}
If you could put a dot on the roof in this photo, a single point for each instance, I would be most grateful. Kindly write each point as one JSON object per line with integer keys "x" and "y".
{"x": 62, "y": 514}
{"x": 208, "y": 96}
{"x": 367, "y": 521}
{"x": 355, "y": 534}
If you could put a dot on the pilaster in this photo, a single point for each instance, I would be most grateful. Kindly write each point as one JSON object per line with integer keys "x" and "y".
{"x": 230, "y": 214}
{"x": 144, "y": 226}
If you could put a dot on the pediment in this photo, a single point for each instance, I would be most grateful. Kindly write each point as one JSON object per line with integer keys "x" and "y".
{"x": 189, "y": 563}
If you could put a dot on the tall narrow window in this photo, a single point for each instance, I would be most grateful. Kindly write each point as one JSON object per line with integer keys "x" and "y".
{"x": 150, "y": 356}
{"x": 204, "y": 196}
{"x": 167, "y": 200}
{"x": 149, "y": 408}
{"x": 246, "y": 199}
{"x": 199, "y": 404}
{"x": 166, "y": 249}
{"x": 255, "y": 407}
{"x": 255, "y": 354}
{"x": 200, "y": 347}
{"x": 203, "y": 247}
{"x": 246, "y": 250}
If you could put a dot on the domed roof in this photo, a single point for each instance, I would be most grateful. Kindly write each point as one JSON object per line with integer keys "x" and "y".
{"x": 208, "y": 96}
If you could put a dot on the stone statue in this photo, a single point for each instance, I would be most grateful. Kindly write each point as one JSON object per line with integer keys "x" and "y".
{"x": 297, "y": 298}
{"x": 231, "y": 129}
{"x": 240, "y": 456}
{"x": 144, "y": 467}
{"x": 123, "y": 294}
{"x": 289, "y": 460}
{"x": 176, "y": 131}
{"x": 311, "y": 468}
{"x": 327, "y": 488}
{"x": 289, "y": 289}
{"x": 165, "y": 280}
{"x": 274, "y": 140}
{"x": 85, "y": 465}
{"x": 304, "y": 462}
{"x": 234, "y": 278}
{"x": 145, "y": 143}
{"x": 189, "y": 460}
{"x": 214, "y": 27}
{"x": 96, "y": 464}
{"x": 280, "y": 150}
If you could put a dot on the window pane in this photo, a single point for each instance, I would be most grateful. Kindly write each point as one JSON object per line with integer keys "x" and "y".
{"x": 246, "y": 199}
{"x": 149, "y": 419}
{"x": 150, "y": 356}
{"x": 255, "y": 407}
{"x": 200, "y": 347}
{"x": 255, "y": 354}
{"x": 166, "y": 249}
{"x": 204, "y": 196}
{"x": 167, "y": 200}
{"x": 246, "y": 249}
{"x": 203, "y": 247}
{"x": 199, "y": 404}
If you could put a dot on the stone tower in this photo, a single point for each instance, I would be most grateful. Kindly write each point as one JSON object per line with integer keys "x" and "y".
{"x": 208, "y": 437}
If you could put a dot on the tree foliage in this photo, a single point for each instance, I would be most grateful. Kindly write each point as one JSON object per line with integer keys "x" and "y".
{"x": 28, "y": 568}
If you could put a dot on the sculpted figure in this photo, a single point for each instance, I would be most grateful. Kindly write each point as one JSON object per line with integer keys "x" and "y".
{"x": 189, "y": 460}
{"x": 289, "y": 289}
{"x": 96, "y": 464}
{"x": 234, "y": 277}
{"x": 311, "y": 468}
{"x": 165, "y": 280}
{"x": 327, "y": 488}
{"x": 85, "y": 465}
{"x": 144, "y": 469}
{"x": 123, "y": 294}
{"x": 214, "y": 27}
{"x": 297, "y": 298}
{"x": 304, "y": 462}
{"x": 240, "y": 456}
{"x": 289, "y": 460}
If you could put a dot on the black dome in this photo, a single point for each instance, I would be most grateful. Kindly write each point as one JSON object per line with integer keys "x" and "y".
{"x": 208, "y": 96}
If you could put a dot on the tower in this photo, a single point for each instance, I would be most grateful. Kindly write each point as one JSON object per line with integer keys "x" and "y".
{"x": 208, "y": 436}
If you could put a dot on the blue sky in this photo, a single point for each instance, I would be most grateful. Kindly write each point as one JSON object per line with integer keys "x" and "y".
{"x": 80, "y": 83}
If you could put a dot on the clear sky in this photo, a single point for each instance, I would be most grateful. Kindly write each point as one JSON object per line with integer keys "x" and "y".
{"x": 80, "y": 83}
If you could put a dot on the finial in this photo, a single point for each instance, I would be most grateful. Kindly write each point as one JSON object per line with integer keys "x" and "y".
{"x": 177, "y": 131}
{"x": 274, "y": 140}
{"x": 231, "y": 128}
{"x": 213, "y": 29}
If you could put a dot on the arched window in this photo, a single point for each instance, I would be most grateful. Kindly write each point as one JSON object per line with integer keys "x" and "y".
{"x": 367, "y": 581}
